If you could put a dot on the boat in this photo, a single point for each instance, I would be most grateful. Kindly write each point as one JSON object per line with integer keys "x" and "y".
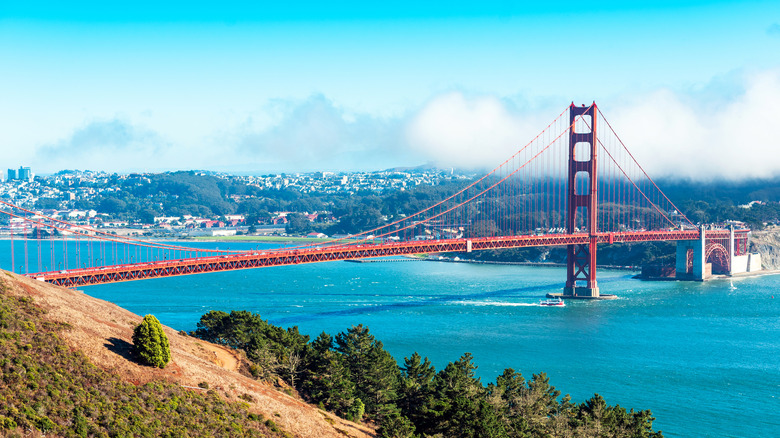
{"x": 555, "y": 302}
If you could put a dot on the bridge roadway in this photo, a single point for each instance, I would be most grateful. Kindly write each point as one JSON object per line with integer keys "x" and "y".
{"x": 259, "y": 259}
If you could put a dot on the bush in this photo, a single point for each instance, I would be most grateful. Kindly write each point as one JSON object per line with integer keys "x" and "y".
{"x": 150, "y": 343}
{"x": 357, "y": 410}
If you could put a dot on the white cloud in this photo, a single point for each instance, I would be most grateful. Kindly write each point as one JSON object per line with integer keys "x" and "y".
{"x": 315, "y": 134}
{"x": 111, "y": 145}
{"x": 454, "y": 129}
{"x": 679, "y": 134}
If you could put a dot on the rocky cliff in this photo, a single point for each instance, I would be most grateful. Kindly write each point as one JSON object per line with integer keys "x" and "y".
{"x": 767, "y": 243}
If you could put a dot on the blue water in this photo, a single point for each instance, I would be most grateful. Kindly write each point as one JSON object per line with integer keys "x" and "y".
{"x": 704, "y": 357}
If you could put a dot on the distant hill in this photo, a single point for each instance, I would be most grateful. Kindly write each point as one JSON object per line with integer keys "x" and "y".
{"x": 67, "y": 370}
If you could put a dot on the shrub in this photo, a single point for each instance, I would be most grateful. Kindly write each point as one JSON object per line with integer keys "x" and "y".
{"x": 7, "y": 423}
{"x": 357, "y": 410}
{"x": 150, "y": 343}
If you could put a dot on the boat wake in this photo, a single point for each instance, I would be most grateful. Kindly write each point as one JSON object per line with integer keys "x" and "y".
{"x": 494, "y": 303}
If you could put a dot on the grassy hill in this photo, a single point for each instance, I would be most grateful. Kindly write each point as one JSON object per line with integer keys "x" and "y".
{"x": 66, "y": 370}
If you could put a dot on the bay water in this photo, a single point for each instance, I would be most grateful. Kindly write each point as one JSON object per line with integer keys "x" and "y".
{"x": 703, "y": 357}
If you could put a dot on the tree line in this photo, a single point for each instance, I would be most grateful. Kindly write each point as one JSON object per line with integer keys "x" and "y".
{"x": 353, "y": 375}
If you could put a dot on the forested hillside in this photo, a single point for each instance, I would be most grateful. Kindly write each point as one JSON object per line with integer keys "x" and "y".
{"x": 353, "y": 375}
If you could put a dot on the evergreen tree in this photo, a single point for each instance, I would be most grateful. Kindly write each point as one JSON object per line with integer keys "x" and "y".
{"x": 274, "y": 349}
{"x": 596, "y": 418}
{"x": 372, "y": 369}
{"x": 416, "y": 391}
{"x": 326, "y": 379}
{"x": 507, "y": 396}
{"x": 540, "y": 401}
{"x": 150, "y": 343}
{"x": 394, "y": 425}
{"x": 461, "y": 408}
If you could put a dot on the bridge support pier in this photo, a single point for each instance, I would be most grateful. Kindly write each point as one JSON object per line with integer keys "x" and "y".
{"x": 690, "y": 263}
{"x": 581, "y": 266}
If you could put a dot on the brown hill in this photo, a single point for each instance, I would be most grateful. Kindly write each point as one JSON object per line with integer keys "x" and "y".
{"x": 103, "y": 332}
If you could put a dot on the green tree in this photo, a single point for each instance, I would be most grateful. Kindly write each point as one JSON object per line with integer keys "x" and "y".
{"x": 150, "y": 343}
{"x": 355, "y": 218}
{"x": 372, "y": 369}
{"x": 327, "y": 377}
{"x": 112, "y": 205}
{"x": 147, "y": 215}
{"x": 416, "y": 390}
{"x": 596, "y": 418}
{"x": 461, "y": 407}
{"x": 275, "y": 349}
{"x": 357, "y": 410}
{"x": 394, "y": 425}
{"x": 46, "y": 203}
{"x": 297, "y": 224}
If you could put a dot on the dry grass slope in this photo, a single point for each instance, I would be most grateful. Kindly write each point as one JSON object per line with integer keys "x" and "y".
{"x": 103, "y": 332}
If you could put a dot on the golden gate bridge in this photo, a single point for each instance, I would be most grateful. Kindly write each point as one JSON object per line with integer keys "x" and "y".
{"x": 572, "y": 185}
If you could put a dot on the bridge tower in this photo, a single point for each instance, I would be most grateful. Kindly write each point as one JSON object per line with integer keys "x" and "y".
{"x": 582, "y": 203}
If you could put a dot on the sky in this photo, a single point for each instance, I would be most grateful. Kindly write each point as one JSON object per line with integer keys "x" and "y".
{"x": 692, "y": 87}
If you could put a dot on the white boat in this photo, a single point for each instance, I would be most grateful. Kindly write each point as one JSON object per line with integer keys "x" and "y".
{"x": 556, "y": 302}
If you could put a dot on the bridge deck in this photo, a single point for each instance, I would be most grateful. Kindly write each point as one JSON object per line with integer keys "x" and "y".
{"x": 259, "y": 259}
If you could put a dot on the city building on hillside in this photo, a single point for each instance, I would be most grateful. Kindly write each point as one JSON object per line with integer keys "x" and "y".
{"x": 23, "y": 174}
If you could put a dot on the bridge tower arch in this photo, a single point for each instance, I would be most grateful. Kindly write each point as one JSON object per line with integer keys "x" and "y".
{"x": 691, "y": 258}
{"x": 721, "y": 254}
{"x": 582, "y": 202}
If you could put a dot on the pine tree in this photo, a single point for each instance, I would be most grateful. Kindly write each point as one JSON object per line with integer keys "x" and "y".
{"x": 372, "y": 369}
{"x": 416, "y": 391}
{"x": 150, "y": 343}
{"x": 508, "y": 396}
{"x": 327, "y": 378}
{"x": 461, "y": 408}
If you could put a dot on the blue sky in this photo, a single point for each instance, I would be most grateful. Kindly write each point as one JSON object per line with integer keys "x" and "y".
{"x": 247, "y": 87}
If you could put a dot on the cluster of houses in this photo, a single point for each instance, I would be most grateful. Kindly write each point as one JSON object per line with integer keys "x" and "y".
{"x": 181, "y": 226}
{"x": 351, "y": 182}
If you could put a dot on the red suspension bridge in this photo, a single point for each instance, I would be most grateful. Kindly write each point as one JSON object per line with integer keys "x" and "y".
{"x": 572, "y": 185}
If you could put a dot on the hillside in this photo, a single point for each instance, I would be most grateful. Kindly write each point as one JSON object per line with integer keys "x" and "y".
{"x": 103, "y": 333}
